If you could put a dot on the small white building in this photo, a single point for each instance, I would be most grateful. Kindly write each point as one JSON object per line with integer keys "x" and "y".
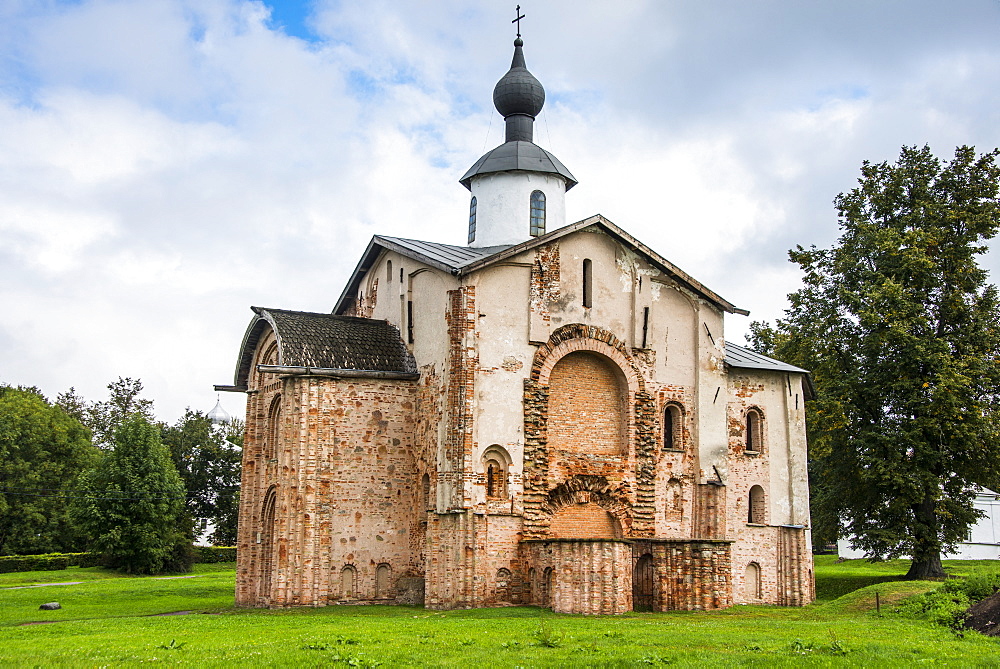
{"x": 983, "y": 542}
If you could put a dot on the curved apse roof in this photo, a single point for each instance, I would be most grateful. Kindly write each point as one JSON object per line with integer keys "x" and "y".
{"x": 518, "y": 156}
{"x": 325, "y": 341}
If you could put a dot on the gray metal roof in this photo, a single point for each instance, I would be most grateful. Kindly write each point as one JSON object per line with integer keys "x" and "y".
{"x": 443, "y": 256}
{"x": 523, "y": 156}
{"x": 460, "y": 260}
{"x": 307, "y": 339}
{"x": 744, "y": 358}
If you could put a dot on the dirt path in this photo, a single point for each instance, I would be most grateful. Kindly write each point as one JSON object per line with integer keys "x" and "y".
{"x": 41, "y": 585}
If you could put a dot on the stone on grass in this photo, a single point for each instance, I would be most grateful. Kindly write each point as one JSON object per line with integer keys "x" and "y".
{"x": 51, "y": 606}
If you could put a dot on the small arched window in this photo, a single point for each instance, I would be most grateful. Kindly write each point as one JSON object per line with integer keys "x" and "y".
{"x": 673, "y": 428}
{"x": 425, "y": 485}
{"x": 496, "y": 479}
{"x": 382, "y": 574}
{"x": 348, "y": 582}
{"x": 755, "y": 507}
{"x": 472, "y": 220}
{"x": 588, "y": 283}
{"x": 537, "y": 213}
{"x": 754, "y": 431}
{"x": 273, "y": 434}
{"x": 751, "y": 581}
{"x": 388, "y": 271}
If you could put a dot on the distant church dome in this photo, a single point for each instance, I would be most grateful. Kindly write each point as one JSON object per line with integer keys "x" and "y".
{"x": 218, "y": 415}
{"x": 518, "y": 92}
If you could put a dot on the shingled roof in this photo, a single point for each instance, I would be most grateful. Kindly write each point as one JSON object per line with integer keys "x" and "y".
{"x": 326, "y": 341}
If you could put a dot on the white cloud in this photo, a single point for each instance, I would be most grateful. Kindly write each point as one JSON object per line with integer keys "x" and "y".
{"x": 165, "y": 164}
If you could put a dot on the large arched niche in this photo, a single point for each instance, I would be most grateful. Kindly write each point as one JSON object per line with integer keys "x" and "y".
{"x": 588, "y": 405}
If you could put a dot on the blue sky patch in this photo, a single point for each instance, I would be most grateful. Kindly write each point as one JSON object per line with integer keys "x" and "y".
{"x": 292, "y": 16}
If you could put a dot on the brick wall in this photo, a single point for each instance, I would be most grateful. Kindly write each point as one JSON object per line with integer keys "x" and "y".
{"x": 584, "y": 521}
{"x": 588, "y": 576}
{"x": 586, "y": 407}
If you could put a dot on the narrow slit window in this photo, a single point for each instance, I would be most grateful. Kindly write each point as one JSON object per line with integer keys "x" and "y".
{"x": 754, "y": 438}
{"x": 645, "y": 326}
{"x": 537, "y": 213}
{"x": 388, "y": 271}
{"x": 588, "y": 283}
{"x": 472, "y": 220}
{"x": 409, "y": 321}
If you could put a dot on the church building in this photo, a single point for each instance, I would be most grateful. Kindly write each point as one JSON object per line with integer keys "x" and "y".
{"x": 547, "y": 416}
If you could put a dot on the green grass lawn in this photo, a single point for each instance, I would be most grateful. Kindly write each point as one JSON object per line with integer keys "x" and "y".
{"x": 108, "y": 620}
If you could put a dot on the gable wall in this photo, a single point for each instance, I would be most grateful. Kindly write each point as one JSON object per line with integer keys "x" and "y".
{"x": 783, "y": 554}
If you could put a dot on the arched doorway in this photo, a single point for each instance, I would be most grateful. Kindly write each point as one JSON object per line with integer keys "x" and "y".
{"x": 642, "y": 583}
{"x": 382, "y": 574}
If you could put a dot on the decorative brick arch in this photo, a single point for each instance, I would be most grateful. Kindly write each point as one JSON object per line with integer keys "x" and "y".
{"x": 579, "y": 337}
{"x": 584, "y": 489}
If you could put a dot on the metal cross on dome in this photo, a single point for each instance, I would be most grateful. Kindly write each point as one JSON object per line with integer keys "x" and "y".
{"x": 518, "y": 19}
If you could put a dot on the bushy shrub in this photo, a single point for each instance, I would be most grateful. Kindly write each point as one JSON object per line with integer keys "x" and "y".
{"x": 946, "y": 604}
{"x": 12, "y": 563}
{"x": 83, "y": 559}
{"x": 976, "y": 587}
{"x": 937, "y": 606}
{"x": 213, "y": 554}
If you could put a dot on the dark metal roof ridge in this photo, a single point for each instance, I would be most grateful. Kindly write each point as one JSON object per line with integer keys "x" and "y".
{"x": 600, "y": 221}
{"x": 391, "y": 244}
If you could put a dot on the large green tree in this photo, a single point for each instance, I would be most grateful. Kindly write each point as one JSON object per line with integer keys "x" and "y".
{"x": 42, "y": 452}
{"x": 208, "y": 460}
{"x": 132, "y": 503}
{"x": 104, "y": 417}
{"x": 901, "y": 331}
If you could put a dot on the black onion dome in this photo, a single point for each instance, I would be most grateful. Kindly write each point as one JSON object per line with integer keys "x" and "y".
{"x": 518, "y": 92}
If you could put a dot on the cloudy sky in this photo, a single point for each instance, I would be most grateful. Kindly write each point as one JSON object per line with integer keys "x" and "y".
{"x": 164, "y": 164}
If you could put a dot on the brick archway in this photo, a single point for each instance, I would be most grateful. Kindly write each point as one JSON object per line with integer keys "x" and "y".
{"x": 579, "y": 337}
{"x": 590, "y": 491}
{"x": 639, "y": 433}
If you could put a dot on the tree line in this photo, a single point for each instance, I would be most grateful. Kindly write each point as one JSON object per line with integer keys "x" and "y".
{"x": 107, "y": 477}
